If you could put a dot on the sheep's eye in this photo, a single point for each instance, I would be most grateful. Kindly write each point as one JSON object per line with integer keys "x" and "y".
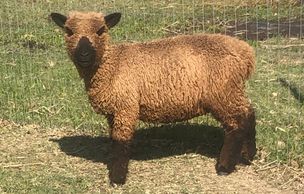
{"x": 68, "y": 31}
{"x": 100, "y": 31}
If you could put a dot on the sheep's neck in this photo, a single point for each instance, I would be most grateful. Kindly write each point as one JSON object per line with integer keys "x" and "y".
{"x": 101, "y": 74}
{"x": 98, "y": 83}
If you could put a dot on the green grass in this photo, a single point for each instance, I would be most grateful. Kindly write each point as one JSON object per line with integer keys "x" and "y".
{"x": 42, "y": 182}
{"x": 279, "y": 113}
{"x": 39, "y": 84}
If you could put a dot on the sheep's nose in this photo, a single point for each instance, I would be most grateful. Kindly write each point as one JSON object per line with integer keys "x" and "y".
{"x": 85, "y": 53}
{"x": 84, "y": 46}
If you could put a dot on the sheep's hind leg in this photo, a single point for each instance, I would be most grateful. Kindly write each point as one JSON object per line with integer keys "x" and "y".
{"x": 121, "y": 134}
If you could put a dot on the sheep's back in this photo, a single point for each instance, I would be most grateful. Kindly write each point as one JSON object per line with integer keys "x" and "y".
{"x": 176, "y": 77}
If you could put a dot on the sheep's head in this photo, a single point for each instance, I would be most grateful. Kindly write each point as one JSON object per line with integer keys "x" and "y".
{"x": 86, "y": 35}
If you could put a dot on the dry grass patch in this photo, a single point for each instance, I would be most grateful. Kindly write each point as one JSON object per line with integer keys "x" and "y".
{"x": 33, "y": 160}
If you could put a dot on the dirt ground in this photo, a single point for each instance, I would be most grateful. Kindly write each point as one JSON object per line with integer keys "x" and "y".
{"x": 66, "y": 151}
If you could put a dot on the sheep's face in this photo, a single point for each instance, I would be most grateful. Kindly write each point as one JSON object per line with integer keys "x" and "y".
{"x": 86, "y": 35}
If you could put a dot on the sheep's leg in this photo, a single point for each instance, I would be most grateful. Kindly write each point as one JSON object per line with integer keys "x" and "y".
{"x": 230, "y": 152}
{"x": 249, "y": 145}
{"x": 238, "y": 119}
{"x": 121, "y": 134}
{"x": 118, "y": 166}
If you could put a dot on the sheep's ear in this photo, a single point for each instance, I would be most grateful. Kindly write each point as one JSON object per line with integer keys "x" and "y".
{"x": 59, "y": 19}
{"x": 112, "y": 19}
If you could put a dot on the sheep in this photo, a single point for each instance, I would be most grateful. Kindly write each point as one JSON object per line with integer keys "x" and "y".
{"x": 163, "y": 81}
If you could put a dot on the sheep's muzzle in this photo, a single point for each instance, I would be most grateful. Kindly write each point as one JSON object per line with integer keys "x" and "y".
{"x": 85, "y": 53}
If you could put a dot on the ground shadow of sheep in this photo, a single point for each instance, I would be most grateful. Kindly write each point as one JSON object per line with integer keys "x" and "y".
{"x": 293, "y": 88}
{"x": 151, "y": 143}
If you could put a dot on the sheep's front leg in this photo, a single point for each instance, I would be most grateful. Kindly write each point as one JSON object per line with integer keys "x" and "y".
{"x": 249, "y": 144}
{"x": 230, "y": 152}
{"x": 237, "y": 116}
{"x": 239, "y": 142}
{"x": 118, "y": 166}
{"x": 121, "y": 133}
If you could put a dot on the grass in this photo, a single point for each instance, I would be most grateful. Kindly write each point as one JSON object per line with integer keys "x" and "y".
{"x": 32, "y": 168}
{"x": 40, "y": 182}
{"x": 280, "y": 114}
{"x": 40, "y": 86}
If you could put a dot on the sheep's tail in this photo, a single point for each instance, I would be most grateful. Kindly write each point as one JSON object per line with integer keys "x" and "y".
{"x": 248, "y": 56}
{"x": 251, "y": 64}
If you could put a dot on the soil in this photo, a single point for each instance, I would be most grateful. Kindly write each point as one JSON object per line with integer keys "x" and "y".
{"x": 263, "y": 30}
{"x": 184, "y": 173}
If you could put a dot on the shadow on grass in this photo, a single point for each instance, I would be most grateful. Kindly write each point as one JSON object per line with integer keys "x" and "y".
{"x": 150, "y": 143}
{"x": 294, "y": 89}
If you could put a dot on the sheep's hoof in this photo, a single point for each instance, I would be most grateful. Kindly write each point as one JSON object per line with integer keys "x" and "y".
{"x": 244, "y": 160}
{"x": 223, "y": 171}
{"x": 247, "y": 154}
{"x": 117, "y": 180}
{"x": 118, "y": 171}
{"x": 118, "y": 174}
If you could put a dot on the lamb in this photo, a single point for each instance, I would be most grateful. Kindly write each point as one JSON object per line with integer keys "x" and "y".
{"x": 163, "y": 81}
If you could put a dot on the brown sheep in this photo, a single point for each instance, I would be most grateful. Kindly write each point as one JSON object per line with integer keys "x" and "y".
{"x": 163, "y": 81}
